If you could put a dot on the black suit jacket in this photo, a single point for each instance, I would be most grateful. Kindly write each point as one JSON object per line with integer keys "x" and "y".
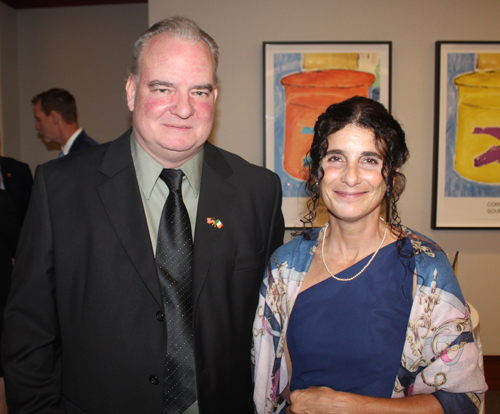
{"x": 9, "y": 234}
{"x": 18, "y": 182}
{"x": 82, "y": 141}
{"x": 84, "y": 332}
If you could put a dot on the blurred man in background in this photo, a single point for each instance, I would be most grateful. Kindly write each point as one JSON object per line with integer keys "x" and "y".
{"x": 56, "y": 121}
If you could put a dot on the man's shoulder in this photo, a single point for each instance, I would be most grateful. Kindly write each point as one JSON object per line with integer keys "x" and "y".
{"x": 88, "y": 139}
{"x": 90, "y": 159}
{"x": 82, "y": 141}
{"x": 13, "y": 163}
{"x": 237, "y": 164}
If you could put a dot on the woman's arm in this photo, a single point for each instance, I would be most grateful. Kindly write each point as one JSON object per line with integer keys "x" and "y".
{"x": 323, "y": 400}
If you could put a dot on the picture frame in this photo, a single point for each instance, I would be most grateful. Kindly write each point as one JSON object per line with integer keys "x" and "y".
{"x": 466, "y": 175}
{"x": 301, "y": 80}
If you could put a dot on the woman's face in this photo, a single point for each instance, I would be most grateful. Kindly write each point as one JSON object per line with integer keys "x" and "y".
{"x": 352, "y": 186}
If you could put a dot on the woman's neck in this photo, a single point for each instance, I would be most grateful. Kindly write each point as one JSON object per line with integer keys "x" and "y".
{"x": 352, "y": 241}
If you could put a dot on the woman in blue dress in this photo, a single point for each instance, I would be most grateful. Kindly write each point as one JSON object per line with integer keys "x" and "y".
{"x": 379, "y": 324}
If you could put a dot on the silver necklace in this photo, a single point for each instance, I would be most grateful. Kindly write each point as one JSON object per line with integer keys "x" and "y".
{"x": 366, "y": 265}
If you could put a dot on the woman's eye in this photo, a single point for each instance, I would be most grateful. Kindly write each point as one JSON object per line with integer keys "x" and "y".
{"x": 371, "y": 161}
{"x": 334, "y": 158}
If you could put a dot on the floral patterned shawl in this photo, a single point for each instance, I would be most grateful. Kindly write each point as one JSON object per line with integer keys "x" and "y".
{"x": 439, "y": 356}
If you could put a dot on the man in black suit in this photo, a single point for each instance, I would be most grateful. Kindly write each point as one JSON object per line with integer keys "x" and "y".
{"x": 56, "y": 121}
{"x": 86, "y": 327}
{"x": 16, "y": 179}
{"x": 9, "y": 234}
{"x": 16, "y": 182}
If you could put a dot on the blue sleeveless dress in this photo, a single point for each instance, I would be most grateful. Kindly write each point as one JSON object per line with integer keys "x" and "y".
{"x": 349, "y": 336}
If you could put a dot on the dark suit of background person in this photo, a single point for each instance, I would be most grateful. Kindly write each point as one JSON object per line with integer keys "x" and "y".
{"x": 18, "y": 182}
{"x": 15, "y": 190}
{"x": 82, "y": 141}
{"x": 9, "y": 234}
{"x": 85, "y": 285}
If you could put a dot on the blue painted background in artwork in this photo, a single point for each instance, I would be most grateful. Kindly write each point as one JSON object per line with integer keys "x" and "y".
{"x": 455, "y": 184}
{"x": 284, "y": 64}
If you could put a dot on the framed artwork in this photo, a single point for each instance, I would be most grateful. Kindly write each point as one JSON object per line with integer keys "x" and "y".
{"x": 467, "y": 136}
{"x": 301, "y": 80}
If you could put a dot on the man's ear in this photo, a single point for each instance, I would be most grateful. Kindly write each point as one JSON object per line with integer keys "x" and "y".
{"x": 130, "y": 88}
{"x": 55, "y": 117}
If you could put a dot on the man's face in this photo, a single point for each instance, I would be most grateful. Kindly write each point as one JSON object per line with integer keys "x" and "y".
{"x": 46, "y": 125}
{"x": 173, "y": 98}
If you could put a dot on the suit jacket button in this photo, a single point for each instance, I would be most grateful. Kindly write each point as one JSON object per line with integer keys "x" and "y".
{"x": 159, "y": 316}
{"x": 154, "y": 380}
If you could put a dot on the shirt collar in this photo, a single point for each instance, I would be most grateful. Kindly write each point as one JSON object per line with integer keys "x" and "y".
{"x": 65, "y": 148}
{"x": 148, "y": 169}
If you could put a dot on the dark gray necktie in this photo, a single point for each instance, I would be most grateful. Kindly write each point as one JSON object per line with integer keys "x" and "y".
{"x": 174, "y": 257}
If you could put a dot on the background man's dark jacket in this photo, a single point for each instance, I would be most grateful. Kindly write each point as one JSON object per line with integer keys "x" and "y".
{"x": 18, "y": 182}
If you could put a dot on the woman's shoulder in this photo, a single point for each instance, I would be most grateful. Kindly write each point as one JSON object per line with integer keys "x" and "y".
{"x": 304, "y": 240}
{"x": 432, "y": 264}
{"x": 422, "y": 244}
{"x": 298, "y": 250}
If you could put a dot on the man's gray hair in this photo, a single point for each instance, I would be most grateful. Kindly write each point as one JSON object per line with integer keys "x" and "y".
{"x": 177, "y": 26}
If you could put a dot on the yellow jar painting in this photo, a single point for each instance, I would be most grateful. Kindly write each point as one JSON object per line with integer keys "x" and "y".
{"x": 477, "y": 155}
{"x": 467, "y": 157}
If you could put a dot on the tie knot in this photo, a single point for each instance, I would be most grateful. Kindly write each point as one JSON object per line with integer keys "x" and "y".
{"x": 173, "y": 178}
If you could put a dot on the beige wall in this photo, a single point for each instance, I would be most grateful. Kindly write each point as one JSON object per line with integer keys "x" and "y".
{"x": 85, "y": 50}
{"x": 413, "y": 27}
{"x": 9, "y": 83}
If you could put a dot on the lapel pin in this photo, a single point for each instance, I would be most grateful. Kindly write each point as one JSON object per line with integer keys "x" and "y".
{"x": 214, "y": 222}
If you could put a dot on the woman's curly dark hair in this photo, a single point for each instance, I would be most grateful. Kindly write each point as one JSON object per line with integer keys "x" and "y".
{"x": 389, "y": 140}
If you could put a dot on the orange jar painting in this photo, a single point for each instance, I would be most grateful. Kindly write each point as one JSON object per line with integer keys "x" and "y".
{"x": 308, "y": 94}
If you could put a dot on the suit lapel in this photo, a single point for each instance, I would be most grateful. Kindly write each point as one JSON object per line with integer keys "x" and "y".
{"x": 122, "y": 201}
{"x": 215, "y": 202}
{"x": 6, "y": 174}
